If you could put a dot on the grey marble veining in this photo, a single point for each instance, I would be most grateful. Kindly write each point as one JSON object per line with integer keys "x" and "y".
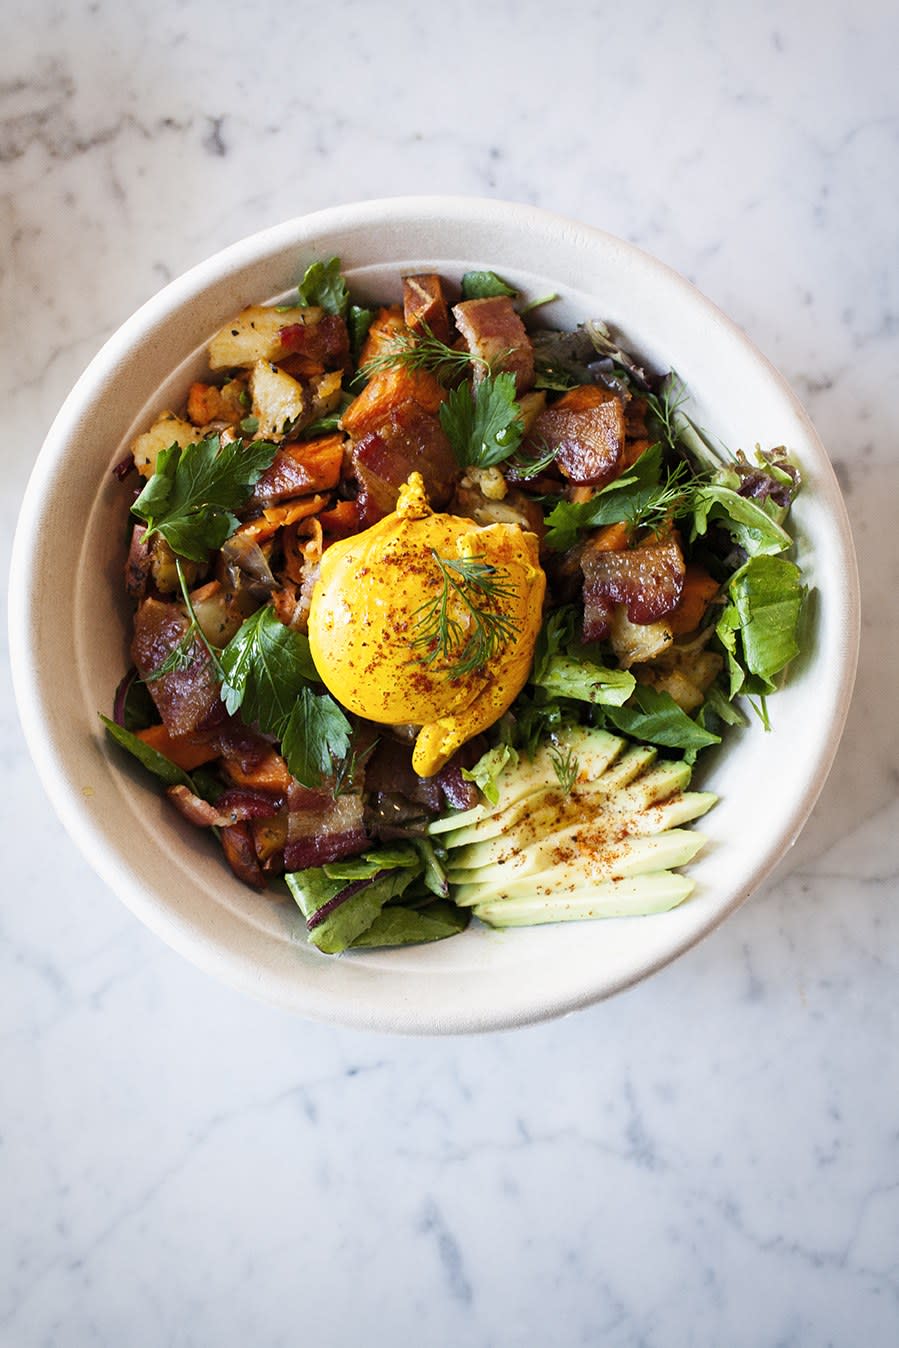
{"x": 710, "y": 1159}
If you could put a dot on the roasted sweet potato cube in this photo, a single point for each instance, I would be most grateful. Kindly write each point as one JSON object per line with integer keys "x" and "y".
{"x": 385, "y": 392}
{"x": 386, "y": 327}
{"x": 301, "y": 468}
{"x": 424, "y": 305}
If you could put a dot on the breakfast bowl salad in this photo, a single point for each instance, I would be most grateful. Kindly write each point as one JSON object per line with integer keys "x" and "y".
{"x": 413, "y": 602}
{"x": 436, "y": 606}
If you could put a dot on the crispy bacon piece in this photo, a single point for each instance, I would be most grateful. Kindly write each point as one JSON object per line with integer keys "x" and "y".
{"x": 195, "y": 809}
{"x": 586, "y": 428}
{"x": 424, "y": 305}
{"x": 299, "y": 469}
{"x": 326, "y": 342}
{"x": 397, "y": 793}
{"x": 237, "y": 843}
{"x": 187, "y": 699}
{"x": 648, "y": 579}
{"x": 232, "y": 807}
{"x": 322, "y": 828}
{"x": 409, "y": 440}
{"x": 494, "y": 332}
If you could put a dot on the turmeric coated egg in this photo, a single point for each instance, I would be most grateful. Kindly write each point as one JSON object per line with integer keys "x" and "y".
{"x": 429, "y": 620}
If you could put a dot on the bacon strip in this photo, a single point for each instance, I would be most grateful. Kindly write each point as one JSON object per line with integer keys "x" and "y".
{"x": 322, "y": 828}
{"x": 326, "y": 341}
{"x": 648, "y": 579}
{"x": 424, "y": 305}
{"x": 186, "y": 699}
{"x": 496, "y": 335}
{"x": 408, "y": 440}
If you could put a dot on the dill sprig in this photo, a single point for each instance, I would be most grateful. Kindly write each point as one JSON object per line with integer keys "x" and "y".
{"x": 425, "y": 351}
{"x": 665, "y": 406}
{"x": 655, "y": 510}
{"x": 182, "y": 656}
{"x": 527, "y": 466}
{"x": 566, "y": 766}
{"x": 466, "y": 643}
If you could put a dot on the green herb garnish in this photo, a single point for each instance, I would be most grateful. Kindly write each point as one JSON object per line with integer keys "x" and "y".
{"x": 483, "y": 425}
{"x": 466, "y": 646}
{"x": 191, "y": 498}
{"x": 268, "y": 676}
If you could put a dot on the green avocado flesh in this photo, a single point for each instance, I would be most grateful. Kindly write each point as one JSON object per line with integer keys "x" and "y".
{"x": 607, "y": 848}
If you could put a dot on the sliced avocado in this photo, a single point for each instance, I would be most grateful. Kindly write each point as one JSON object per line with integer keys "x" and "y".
{"x": 594, "y": 750}
{"x": 606, "y": 848}
{"x": 638, "y": 897}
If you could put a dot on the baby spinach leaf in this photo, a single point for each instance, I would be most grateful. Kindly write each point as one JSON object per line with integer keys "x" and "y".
{"x": 657, "y": 719}
{"x": 760, "y": 624}
{"x": 370, "y": 864}
{"x": 565, "y": 676}
{"x": 407, "y": 926}
{"x": 338, "y": 911}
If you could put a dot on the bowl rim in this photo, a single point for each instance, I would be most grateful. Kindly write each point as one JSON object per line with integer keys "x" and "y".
{"x": 68, "y": 799}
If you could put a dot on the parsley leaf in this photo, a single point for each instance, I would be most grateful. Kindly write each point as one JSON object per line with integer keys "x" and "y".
{"x": 266, "y": 665}
{"x": 323, "y": 285}
{"x": 191, "y": 497}
{"x": 317, "y": 735}
{"x": 483, "y": 285}
{"x": 484, "y": 426}
{"x": 268, "y": 676}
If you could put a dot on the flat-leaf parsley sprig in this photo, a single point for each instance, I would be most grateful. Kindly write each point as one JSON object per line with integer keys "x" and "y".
{"x": 466, "y": 644}
{"x": 484, "y": 425}
{"x": 191, "y": 498}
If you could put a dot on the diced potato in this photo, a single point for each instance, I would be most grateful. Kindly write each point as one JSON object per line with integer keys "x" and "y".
{"x": 633, "y": 642}
{"x": 279, "y": 400}
{"x": 163, "y": 569}
{"x": 217, "y": 613}
{"x": 255, "y": 334}
{"x": 531, "y": 405}
{"x": 386, "y": 327}
{"x": 326, "y": 391}
{"x": 166, "y": 430}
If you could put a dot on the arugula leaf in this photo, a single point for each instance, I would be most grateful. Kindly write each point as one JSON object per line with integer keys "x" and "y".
{"x": 266, "y": 665}
{"x": 397, "y": 925}
{"x": 565, "y": 676}
{"x": 657, "y": 719}
{"x": 145, "y": 754}
{"x": 350, "y": 907}
{"x": 624, "y": 498}
{"x": 323, "y": 285}
{"x": 484, "y": 426}
{"x": 191, "y": 497}
{"x": 489, "y": 767}
{"x": 317, "y": 736}
{"x": 759, "y": 626}
{"x": 482, "y": 285}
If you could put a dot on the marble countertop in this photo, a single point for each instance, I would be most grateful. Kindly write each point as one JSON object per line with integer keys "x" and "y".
{"x": 710, "y": 1158}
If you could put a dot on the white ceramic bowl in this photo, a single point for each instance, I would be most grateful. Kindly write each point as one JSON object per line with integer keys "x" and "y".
{"x": 69, "y": 623}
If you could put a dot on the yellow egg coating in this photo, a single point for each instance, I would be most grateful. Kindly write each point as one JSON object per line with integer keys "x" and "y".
{"x": 368, "y": 612}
